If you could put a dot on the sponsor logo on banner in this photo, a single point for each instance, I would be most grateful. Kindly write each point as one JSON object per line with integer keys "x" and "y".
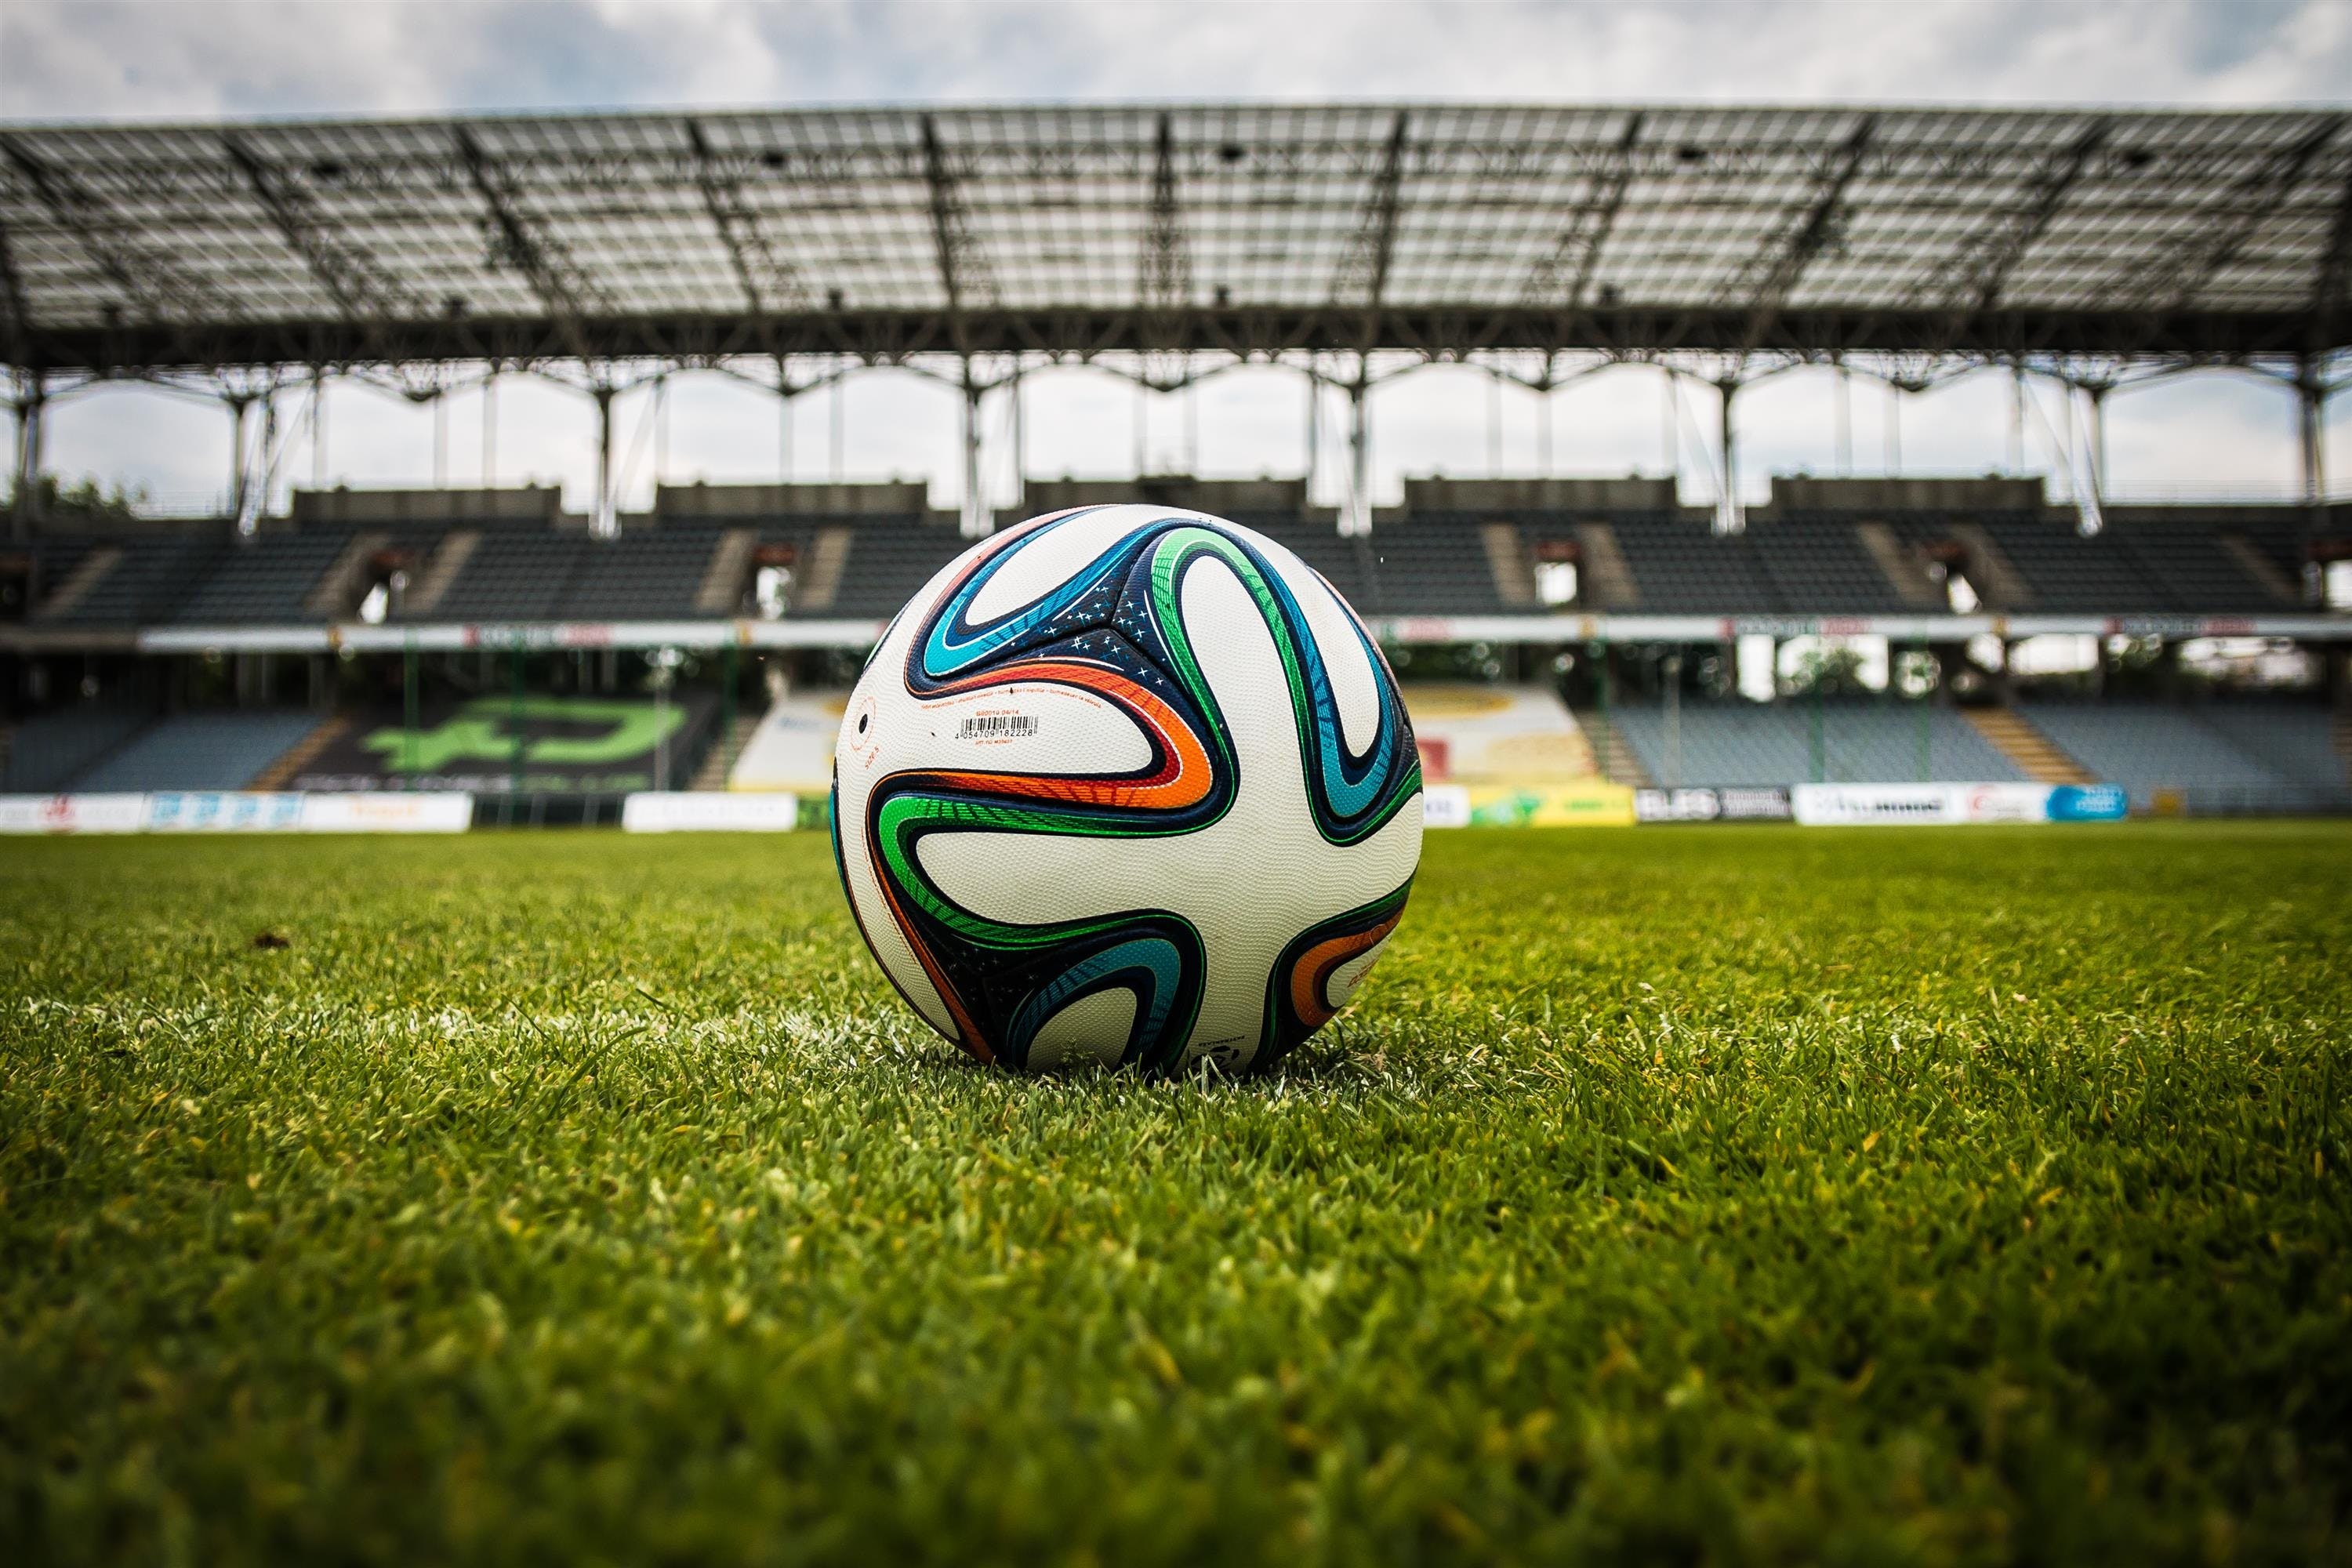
{"x": 530, "y": 743}
{"x": 1862, "y": 804}
{"x": 72, "y": 813}
{"x": 223, "y": 811}
{"x": 689, "y": 811}
{"x": 1552, "y": 805}
{"x": 2004, "y": 803}
{"x": 236, "y": 811}
{"x": 1590, "y": 805}
{"x": 2089, "y": 803}
{"x": 1444, "y": 805}
{"x": 1746, "y": 803}
{"x": 387, "y": 813}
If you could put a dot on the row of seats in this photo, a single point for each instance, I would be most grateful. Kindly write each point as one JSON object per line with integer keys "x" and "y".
{"x": 1729, "y": 743}
{"x": 2275, "y": 753}
{"x": 98, "y": 749}
{"x": 46, "y": 751}
{"x": 1431, "y": 565}
{"x": 2278, "y": 754}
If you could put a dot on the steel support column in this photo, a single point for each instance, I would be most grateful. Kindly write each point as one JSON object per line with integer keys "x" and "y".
{"x": 1358, "y": 519}
{"x": 255, "y": 497}
{"x": 975, "y": 521}
{"x": 603, "y": 523}
{"x": 1844, "y": 420}
{"x": 491, "y": 429}
{"x": 1314, "y": 431}
{"x": 2017, "y": 420}
{"x": 2311, "y": 430}
{"x": 27, "y": 509}
{"x": 1727, "y": 517}
{"x": 318, "y": 427}
{"x": 2097, "y": 392}
{"x": 237, "y": 471}
{"x": 1020, "y": 442}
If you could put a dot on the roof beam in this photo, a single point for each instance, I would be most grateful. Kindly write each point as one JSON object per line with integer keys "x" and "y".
{"x": 553, "y": 276}
{"x": 1784, "y": 267}
{"x": 1577, "y": 255}
{"x": 1164, "y": 281}
{"x": 19, "y": 325}
{"x": 2169, "y": 280}
{"x": 963, "y": 271}
{"x": 1972, "y": 279}
{"x": 344, "y": 272}
{"x": 2333, "y": 279}
{"x": 1375, "y": 247}
{"x": 767, "y": 279}
{"x": 146, "y": 280}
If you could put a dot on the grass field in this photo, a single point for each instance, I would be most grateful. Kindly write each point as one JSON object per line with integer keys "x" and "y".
{"x": 1774, "y": 1195}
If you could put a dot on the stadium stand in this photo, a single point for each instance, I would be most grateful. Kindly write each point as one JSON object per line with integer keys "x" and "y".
{"x": 2157, "y": 750}
{"x": 512, "y": 575}
{"x": 2294, "y": 740}
{"x": 145, "y": 583}
{"x": 651, "y": 573}
{"x": 888, "y": 559}
{"x": 46, "y": 751}
{"x": 1863, "y": 742}
{"x": 1458, "y": 548}
{"x": 197, "y": 752}
{"x": 1433, "y": 566}
{"x": 265, "y": 581}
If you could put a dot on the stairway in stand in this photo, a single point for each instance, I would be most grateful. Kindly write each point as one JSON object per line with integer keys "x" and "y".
{"x": 297, "y": 757}
{"x": 719, "y": 761}
{"x": 2034, "y": 752}
{"x": 2343, "y": 737}
{"x": 1617, "y": 762}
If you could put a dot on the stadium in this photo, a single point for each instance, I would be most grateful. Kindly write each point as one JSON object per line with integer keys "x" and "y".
{"x": 1721, "y": 1175}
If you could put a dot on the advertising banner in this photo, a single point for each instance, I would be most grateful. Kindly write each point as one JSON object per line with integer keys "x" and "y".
{"x": 72, "y": 813}
{"x": 491, "y": 744}
{"x": 224, "y": 811}
{"x": 1588, "y": 805}
{"x": 1819, "y": 806}
{"x": 708, "y": 811}
{"x": 1444, "y": 805}
{"x": 387, "y": 812}
{"x": 1743, "y": 803}
{"x": 236, "y": 811}
{"x": 2089, "y": 803}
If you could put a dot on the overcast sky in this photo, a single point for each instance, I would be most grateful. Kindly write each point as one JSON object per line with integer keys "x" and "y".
{"x": 129, "y": 59}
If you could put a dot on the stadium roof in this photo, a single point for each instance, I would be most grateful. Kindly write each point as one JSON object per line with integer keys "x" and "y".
{"x": 884, "y": 233}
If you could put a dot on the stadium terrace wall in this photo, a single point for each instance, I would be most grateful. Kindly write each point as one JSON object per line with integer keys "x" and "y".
{"x": 1407, "y": 629}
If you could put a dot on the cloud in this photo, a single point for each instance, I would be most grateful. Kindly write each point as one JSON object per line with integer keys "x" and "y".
{"x": 149, "y": 59}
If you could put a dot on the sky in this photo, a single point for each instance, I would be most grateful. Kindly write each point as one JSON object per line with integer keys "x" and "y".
{"x": 150, "y": 59}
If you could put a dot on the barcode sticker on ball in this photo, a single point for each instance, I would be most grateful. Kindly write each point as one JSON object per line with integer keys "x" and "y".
{"x": 997, "y": 727}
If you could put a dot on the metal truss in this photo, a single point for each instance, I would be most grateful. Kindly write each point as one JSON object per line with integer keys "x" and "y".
{"x": 1251, "y": 231}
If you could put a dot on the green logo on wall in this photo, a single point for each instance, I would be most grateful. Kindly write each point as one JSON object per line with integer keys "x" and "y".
{"x": 602, "y": 733}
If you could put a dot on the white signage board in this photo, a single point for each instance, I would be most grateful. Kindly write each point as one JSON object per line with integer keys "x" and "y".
{"x": 709, "y": 811}
{"x": 1444, "y": 805}
{"x": 1855, "y": 806}
{"x": 224, "y": 811}
{"x": 388, "y": 811}
{"x": 72, "y": 813}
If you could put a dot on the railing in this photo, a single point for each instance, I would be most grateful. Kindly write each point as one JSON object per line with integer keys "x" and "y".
{"x": 2242, "y": 800}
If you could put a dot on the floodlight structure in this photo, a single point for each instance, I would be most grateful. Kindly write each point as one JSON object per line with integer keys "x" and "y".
{"x": 1353, "y": 242}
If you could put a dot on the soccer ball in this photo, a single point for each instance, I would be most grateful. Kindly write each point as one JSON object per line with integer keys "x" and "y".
{"x": 1129, "y": 786}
